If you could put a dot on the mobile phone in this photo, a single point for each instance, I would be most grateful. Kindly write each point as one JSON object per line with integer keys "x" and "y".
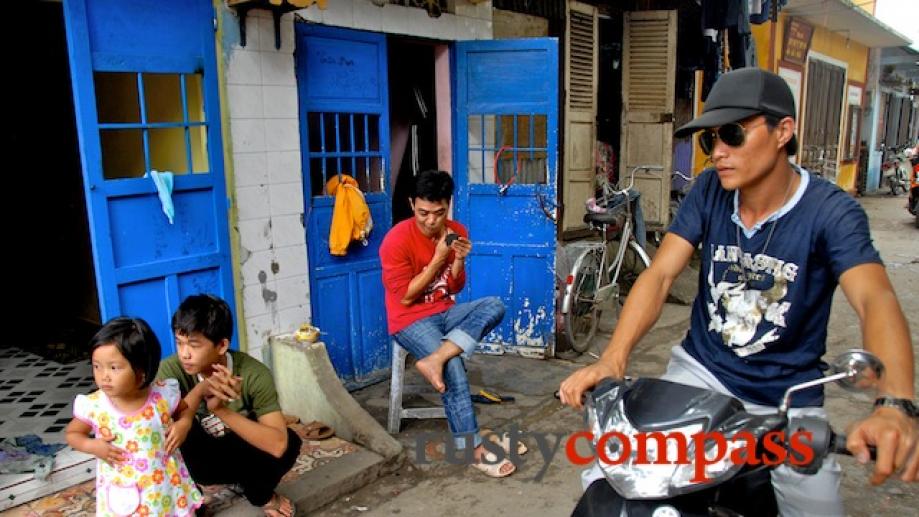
{"x": 452, "y": 237}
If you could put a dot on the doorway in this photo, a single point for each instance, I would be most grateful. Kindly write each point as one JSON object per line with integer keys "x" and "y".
{"x": 413, "y": 117}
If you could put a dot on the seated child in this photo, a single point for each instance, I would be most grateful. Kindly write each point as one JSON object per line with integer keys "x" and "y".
{"x": 239, "y": 436}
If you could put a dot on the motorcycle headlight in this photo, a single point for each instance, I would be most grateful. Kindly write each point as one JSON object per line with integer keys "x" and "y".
{"x": 651, "y": 468}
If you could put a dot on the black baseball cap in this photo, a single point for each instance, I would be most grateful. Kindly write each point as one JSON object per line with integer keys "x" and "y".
{"x": 741, "y": 94}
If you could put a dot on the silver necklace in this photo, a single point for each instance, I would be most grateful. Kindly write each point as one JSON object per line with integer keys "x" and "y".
{"x": 744, "y": 274}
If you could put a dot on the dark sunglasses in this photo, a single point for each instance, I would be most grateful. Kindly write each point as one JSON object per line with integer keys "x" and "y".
{"x": 733, "y": 134}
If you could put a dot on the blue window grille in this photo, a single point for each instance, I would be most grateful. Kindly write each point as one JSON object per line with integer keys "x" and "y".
{"x": 507, "y": 148}
{"x": 345, "y": 143}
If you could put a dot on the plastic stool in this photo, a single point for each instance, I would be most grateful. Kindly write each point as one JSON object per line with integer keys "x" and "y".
{"x": 397, "y": 388}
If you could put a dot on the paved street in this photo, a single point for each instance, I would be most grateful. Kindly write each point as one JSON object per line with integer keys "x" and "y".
{"x": 442, "y": 489}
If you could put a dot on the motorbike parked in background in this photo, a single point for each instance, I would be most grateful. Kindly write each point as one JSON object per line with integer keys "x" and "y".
{"x": 653, "y": 486}
{"x": 896, "y": 169}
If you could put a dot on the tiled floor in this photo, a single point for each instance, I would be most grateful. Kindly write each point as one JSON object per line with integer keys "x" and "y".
{"x": 36, "y": 397}
{"x": 80, "y": 500}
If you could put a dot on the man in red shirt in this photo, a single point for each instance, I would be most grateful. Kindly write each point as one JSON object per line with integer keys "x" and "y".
{"x": 423, "y": 261}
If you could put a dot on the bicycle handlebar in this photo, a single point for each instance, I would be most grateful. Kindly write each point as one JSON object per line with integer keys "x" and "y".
{"x": 626, "y": 190}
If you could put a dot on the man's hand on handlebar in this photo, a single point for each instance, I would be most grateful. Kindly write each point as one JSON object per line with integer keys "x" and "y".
{"x": 896, "y": 437}
{"x": 572, "y": 389}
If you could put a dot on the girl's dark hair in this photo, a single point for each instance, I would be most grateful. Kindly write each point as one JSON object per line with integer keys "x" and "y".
{"x": 434, "y": 186}
{"x": 204, "y": 313}
{"x": 136, "y": 341}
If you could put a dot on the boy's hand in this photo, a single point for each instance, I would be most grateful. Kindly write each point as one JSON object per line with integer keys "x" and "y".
{"x": 176, "y": 434}
{"x": 105, "y": 451}
{"x": 223, "y": 387}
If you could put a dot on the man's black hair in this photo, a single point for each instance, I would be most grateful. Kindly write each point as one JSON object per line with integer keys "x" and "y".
{"x": 772, "y": 121}
{"x": 136, "y": 341}
{"x": 206, "y": 314}
{"x": 433, "y": 186}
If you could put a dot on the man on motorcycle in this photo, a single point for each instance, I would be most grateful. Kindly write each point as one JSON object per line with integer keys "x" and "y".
{"x": 776, "y": 241}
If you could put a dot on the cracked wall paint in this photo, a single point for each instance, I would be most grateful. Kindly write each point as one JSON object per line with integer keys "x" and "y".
{"x": 526, "y": 325}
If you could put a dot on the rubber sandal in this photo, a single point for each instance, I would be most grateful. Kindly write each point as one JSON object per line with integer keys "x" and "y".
{"x": 493, "y": 468}
{"x": 317, "y": 430}
{"x": 504, "y": 440}
{"x": 275, "y": 503}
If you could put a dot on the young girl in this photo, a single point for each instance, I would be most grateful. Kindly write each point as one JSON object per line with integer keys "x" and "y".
{"x": 140, "y": 470}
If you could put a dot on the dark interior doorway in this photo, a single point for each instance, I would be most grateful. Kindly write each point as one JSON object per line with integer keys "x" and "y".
{"x": 412, "y": 117}
{"x": 55, "y": 305}
{"x": 609, "y": 88}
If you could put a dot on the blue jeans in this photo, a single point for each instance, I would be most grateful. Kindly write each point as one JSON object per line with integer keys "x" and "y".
{"x": 465, "y": 325}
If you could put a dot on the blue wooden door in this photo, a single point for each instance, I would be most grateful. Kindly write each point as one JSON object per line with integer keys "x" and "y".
{"x": 505, "y": 168}
{"x": 146, "y": 98}
{"x": 344, "y": 121}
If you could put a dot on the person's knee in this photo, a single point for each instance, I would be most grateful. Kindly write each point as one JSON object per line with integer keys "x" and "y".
{"x": 293, "y": 449}
{"x": 495, "y": 306}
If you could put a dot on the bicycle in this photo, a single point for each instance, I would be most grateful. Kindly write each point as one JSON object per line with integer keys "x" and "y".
{"x": 598, "y": 274}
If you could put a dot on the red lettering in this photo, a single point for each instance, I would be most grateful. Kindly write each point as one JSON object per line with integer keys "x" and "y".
{"x": 661, "y": 439}
{"x": 774, "y": 443}
{"x": 625, "y": 449}
{"x": 571, "y": 448}
{"x": 805, "y": 451}
{"x": 701, "y": 461}
{"x": 747, "y": 453}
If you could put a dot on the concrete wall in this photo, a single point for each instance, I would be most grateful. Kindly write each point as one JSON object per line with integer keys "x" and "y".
{"x": 265, "y": 141}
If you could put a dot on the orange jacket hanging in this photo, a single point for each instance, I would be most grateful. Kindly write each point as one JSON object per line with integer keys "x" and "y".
{"x": 350, "y": 217}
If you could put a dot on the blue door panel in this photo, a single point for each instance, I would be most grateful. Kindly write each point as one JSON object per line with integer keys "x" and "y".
{"x": 202, "y": 281}
{"x": 373, "y": 320}
{"x": 533, "y": 323}
{"x": 152, "y": 239}
{"x": 321, "y": 221}
{"x": 146, "y": 29}
{"x": 513, "y": 227}
{"x": 149, "y": 299}
{"x": 335, "y": 319}
{"x": 144, "y": 265}
{"x": 342, "y": 78}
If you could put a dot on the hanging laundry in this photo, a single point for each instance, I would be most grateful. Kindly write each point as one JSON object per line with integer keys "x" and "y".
{"x": 351, "y": 219}
{"x": 163, "y": 182}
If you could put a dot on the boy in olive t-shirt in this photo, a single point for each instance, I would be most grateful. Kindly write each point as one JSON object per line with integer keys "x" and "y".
{"x": 239, "y": 435}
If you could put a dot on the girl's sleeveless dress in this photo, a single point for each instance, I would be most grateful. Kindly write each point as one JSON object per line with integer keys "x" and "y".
{"x": 150, "y": 482}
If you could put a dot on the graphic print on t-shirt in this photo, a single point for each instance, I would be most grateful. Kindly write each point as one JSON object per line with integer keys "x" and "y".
{"x": 438, "y": 289}
{"x": 748, "y": 294}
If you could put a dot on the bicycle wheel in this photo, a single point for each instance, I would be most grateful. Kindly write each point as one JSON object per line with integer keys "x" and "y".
{"x": 583, "y": 314}
{"x": 634, "y": 262}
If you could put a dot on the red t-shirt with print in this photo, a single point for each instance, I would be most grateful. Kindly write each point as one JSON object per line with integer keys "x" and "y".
{"x": 405, "y": 252}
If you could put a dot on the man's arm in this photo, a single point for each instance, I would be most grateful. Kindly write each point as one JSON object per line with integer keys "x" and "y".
{"x": 642, "y": 309}
{"x": 420, "y": 281}
{"x": 886, "y": 334}
{"x": 269, "y": 434}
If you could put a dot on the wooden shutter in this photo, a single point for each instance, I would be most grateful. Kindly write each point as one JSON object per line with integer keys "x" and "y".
{"x": 648, "y": 76}
{"x": 581, "y": 57}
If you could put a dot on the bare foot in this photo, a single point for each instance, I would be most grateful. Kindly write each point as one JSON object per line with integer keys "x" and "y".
{"x": 433, "y": 372}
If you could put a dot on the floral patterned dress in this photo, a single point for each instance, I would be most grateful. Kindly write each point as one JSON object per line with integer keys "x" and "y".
{"x": 150, "y": 482}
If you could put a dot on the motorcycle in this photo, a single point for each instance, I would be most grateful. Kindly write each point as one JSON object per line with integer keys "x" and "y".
{"x": 896, "y": 170}
{"x": 642, "y": 481}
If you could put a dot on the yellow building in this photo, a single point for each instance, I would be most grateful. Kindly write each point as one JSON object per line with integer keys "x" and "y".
{"x": 823, "y": 50}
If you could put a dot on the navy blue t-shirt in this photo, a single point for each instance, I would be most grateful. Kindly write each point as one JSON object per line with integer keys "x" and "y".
{"x": 759, "y": 322}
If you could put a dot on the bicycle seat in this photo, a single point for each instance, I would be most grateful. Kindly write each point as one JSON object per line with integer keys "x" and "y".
{"x": 614, "y": 218}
